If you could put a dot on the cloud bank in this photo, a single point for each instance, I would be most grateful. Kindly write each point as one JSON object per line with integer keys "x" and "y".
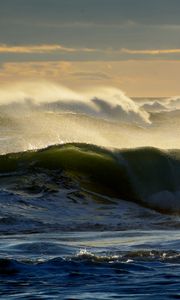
{"x": 49, "y": 48}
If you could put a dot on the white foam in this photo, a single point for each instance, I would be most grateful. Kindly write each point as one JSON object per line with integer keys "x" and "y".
{"x": 105, "y": 102}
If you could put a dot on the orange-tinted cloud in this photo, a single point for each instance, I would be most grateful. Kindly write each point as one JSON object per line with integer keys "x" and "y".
{"x": 151, "y": 52}
{"x": 42, "y": 49}
{"x": 58, "y": 48}
{"x": 135, "y": 77}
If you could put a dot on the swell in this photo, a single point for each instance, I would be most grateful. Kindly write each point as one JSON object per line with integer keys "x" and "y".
{"x": 9, "y": 266}
{"x": 127, "y": 261}
{"x": 148, "y": 176}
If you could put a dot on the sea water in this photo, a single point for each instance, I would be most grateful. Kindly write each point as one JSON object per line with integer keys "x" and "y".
{"x": 89, "y": 195}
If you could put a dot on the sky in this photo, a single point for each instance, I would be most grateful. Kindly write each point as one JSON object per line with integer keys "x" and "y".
{"x": 130, "y": 44}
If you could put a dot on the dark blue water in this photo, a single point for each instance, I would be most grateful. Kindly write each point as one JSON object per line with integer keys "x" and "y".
{"x": 91, "y": 265}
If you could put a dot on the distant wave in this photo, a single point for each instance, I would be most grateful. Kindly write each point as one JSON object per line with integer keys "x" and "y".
{"x": 154, "y": 106}
{"x": 101, "y": 102}
{"x": 37, "y": 114}
{"x": 148, "y": 176}
{"x": 161, "y": 104}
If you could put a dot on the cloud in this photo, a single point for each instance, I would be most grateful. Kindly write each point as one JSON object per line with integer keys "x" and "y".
{"x": 91, "y": 75}
{"x": 151, "y": 52}
{"x": 136, "y": 77}
{"x": 58, "y": 48}
{"x": 91, "y": 11}
{"x": 41, "y": 49}
{"x": 34, "y": 70}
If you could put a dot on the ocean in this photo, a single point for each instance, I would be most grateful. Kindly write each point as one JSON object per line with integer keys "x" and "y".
{"x": 89, "y": 194}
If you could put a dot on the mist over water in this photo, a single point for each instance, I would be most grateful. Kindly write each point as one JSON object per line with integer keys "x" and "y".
{"x": 38, "y": 114}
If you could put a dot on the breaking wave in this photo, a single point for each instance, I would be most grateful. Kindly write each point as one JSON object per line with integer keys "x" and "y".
{"x": 148, "y": 176}
{"x": 105, "y": 102}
